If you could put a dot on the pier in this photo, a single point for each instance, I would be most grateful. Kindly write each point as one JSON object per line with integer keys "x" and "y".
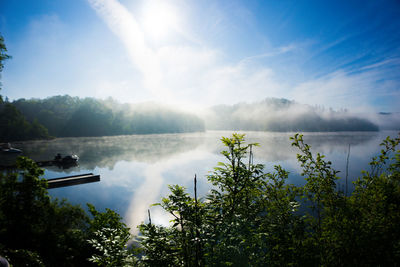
{"x": 73, "y": 180}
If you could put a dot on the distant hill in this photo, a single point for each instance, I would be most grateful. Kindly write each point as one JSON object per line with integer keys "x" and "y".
{"x": 72, "y": 116}
{"x": 274, "y": 114}
{"x": 387, "y": 120}
{"x": 66, "y": 116}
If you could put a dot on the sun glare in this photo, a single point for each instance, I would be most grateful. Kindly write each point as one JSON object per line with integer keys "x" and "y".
{"x": 159, "y": 19}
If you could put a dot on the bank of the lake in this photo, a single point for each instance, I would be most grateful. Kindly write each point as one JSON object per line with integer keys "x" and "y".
{"x": 136, "y": 169}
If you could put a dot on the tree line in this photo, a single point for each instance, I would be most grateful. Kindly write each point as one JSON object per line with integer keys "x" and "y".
{"x": 282, "y": 115}
{"x": 66, "y": 116}
{"x": 250, "y": 218}
{"x": 15, "y": 127}
{"x": 73, "y": 116}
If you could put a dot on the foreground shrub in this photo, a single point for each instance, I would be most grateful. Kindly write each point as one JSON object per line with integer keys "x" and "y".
{"x": 256, "y": 218}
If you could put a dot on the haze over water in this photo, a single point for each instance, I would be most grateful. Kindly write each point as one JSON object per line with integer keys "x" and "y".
{"x": 136, "y": 169}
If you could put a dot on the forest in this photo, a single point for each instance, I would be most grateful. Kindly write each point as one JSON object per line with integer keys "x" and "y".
{"x": 283, "y": 115}
{"x": 251, "y": 217}
{"x": 66, "y": 116}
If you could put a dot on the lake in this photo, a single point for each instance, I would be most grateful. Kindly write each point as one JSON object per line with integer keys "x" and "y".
{"x": 136, "y": 170}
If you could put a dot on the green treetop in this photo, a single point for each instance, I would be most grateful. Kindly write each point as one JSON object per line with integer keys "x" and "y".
{"x": 3, "y": 56}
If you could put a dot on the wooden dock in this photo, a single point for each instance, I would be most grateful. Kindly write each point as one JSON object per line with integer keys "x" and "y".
{"x": 73, "y": 180}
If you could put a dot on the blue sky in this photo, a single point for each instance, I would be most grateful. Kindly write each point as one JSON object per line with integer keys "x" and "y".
{"x": 339, "y": 54}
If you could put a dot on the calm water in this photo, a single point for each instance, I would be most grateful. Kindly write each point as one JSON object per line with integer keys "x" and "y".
{"x": 135, "y": 170}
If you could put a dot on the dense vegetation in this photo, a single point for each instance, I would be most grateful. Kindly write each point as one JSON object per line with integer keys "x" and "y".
{"x": 253, "y": 218}
{"x": 73, "y": 116}
{"x": 282, "y": 115}
{"x": 15, "y": 127}
{"x": 38, "y": 231}
{"x": 66, "y": 116}
{"x": 250, "y": 218}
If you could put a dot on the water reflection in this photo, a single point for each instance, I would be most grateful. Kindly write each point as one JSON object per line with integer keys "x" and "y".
{"x": 135, "y": 170}
{"x": 107, "y": 151}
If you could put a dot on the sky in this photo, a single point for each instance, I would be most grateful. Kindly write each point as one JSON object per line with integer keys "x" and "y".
{"x": 195, "y": 54}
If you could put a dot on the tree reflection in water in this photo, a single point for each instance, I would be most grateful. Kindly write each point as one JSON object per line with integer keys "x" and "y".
{"x": 136, "y": 169}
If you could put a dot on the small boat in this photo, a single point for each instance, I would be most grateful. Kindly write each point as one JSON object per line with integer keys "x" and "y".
{"x": 12, "y": 150}
{"x": 70, "y": 159}
{"x": 6, "y": 148}
{"x": 66, "y": 160}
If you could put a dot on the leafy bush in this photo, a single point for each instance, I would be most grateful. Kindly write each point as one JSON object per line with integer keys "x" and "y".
{"x": 34, "y": 228}
{"x": 249, "y": 218}
{"x": 253, "y": 218}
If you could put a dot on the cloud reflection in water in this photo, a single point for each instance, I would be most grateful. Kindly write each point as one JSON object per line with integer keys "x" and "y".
{"x": 135, "y": 170}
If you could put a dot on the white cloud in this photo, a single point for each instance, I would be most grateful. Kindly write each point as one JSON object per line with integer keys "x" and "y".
{"x": 124, "y": 25}
{"x": 185, "y": 70}
{"x": 196, "y": 75}
{"x": 383, "y": 63}
{"x": 341, "y": 89}
{"x": 189, "y": 74}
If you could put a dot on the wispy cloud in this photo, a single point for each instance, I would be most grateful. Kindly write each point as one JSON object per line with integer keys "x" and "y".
{"x": 193, "y": 68}
{"x": 383, "y": 63}
{"x": 343, "y": 89}
{"x": 124, "y": 25}
{"x": 275, "y": 52}
{"x": 184, "y": 73}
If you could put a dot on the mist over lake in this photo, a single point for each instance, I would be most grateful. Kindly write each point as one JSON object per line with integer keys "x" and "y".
{"x": 124, "y": 105}
{"x": 136, "y": 169}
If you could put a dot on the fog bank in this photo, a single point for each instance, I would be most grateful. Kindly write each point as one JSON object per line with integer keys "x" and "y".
{"x": 273, "y": 114}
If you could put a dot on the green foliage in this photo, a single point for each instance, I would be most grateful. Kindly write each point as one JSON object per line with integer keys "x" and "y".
{"x": 72, "y": 116}
{"x": 22, "y": 203}
{"x": 249, "y": 218}
{"x": 38, "y": 131}
{"x": 3, "y": 53}
{"x": 14, "y": 126}
{"x": 236, "y": 224}
{"x": 3, "y": 56}
{"x": 160, "y": 246}
{"x": 253, "y": 218}
{"x": 38, "y": 231}
{"x": 109, "y": 236}
{"x": 34, "y": 230}
{"x": 181, "y": 244}
{"x": 368, "y": 233}
{"x": 111, "y": 248}
{"x": 107, "y": 219}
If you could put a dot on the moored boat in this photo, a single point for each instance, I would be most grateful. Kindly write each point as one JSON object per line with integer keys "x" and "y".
{"x": 7, "y": 148}
{"x": 66, "y": 160}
